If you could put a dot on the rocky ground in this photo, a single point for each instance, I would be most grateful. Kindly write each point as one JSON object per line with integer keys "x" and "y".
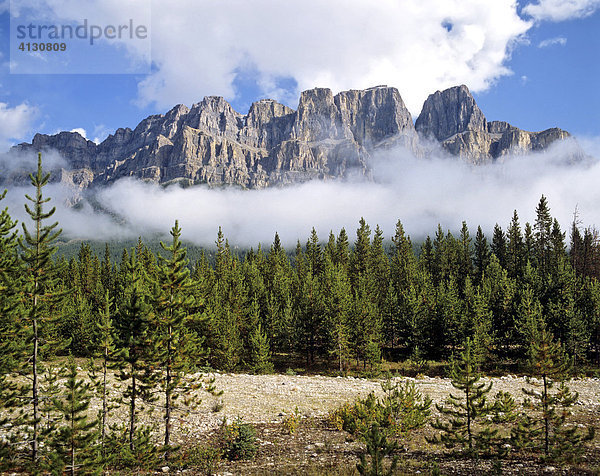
{"x": 316, "y": 448}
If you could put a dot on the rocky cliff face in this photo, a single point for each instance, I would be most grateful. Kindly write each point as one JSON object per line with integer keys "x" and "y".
{"x": 328, "y": 136}
{"x": 453, "y": 119}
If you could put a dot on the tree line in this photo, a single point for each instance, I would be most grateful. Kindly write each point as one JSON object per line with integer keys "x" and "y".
{"x": 154, "y": 319}
{"x": 341, "y": 302}
{"x": 348, "y": 302}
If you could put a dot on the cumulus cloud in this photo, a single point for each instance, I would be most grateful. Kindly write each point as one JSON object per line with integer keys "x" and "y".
{"x": 560, "y": 10}
{"x": 559, "y": 40}
{"x": 81, "y": 131}
{"x": 419, "y": 46}
{"x": 421, "y": 193}
{"x": 15, "y": 122}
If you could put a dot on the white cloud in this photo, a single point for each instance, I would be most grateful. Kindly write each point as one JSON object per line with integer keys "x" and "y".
{"x": 341, "y": 44}
{"x": 559, "y": 40}
{"x": 560, "y": 10}
{"x": 81, "y": 131}
{"x": 101, "y": 132}
{"x": 421, "y": 193}
{"x": 15, "y": 122}
{"x": 419, "y": 46}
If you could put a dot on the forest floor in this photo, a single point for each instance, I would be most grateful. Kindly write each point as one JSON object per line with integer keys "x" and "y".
{"x": 266, "y": 401}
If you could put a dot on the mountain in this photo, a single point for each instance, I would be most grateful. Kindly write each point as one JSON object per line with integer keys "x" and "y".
{"x": 328, "y": 136}
{"x": 453, "y": 119}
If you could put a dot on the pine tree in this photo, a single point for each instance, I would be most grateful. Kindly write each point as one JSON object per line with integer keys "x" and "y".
{"x": 465, "y": 262}
{"x": 314, "y": 253}
{"x": 499, "y": 245}
{"x": 545, "y": 430}
{"x": 133, "y": 361}
{"x": 12, "y": 351}
{"x": 99, "y": 375}
{"x": 403, "y": 270}
{"x": 175, "y": 350}
{"x": 426, "y": 255}
{"x": 73, "y": 442}
{"x": 515, "y": 248}
{"x": 226, "y": 302}
{"x": 378, "y": 447}
{"x": 482, "y": 255}
{"x": 338, "y": 305}
{"x": 342, "y": 253}
{"x": 359, "y": 259}
{"x": 499, "y": 291}
{"x": 39, "y": 294}
{"x": 260, "y": 352}
{"x": 466, "y": 410}
{"x": 543, "y": 230}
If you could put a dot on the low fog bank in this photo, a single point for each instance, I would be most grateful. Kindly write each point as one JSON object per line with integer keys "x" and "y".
{"x": 419, "y": 192}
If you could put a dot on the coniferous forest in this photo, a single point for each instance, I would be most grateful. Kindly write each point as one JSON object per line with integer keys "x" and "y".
{"x": 352, "y": 302}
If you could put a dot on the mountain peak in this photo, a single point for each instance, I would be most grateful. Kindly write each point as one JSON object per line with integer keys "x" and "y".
{"x": 449, "y": 112}
{"x": 328, "y": 136}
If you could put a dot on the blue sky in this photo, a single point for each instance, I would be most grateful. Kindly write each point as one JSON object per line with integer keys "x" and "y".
{"x": 533, "y": 64}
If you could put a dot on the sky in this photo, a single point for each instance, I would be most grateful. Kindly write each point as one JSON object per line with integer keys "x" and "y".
{"x": 533, "y": 63}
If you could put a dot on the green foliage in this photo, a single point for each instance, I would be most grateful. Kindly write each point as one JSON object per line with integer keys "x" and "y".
{"x": 466, "y": 411}
{"x": 176, "y": 348}
{"x": 74, "y": 439}
{"x": 126, "y": 451}
{"x": 133, "y": 361}
{"x": 199, "y": 458}
{"x": 32, "y": 324}
{"x": 378, "y": 447}
{"x": 401, "y": 409}
{"x": 544, "y": 429}
{"x": 260, "y": 354}
{"x": 239, "y": 440}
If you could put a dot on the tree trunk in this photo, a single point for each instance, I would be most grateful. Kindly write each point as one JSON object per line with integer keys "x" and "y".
{"x": 546, "y": 417}
{"x": 34, "y": 389}
{"x": 132, "y": 410}
{"x": 168, "y": 393}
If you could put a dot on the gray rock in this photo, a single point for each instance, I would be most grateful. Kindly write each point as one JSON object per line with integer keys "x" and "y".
{"x": 453, "y": 118}
{"x": 449, "y": 112}
{"x": 328, "y": 136}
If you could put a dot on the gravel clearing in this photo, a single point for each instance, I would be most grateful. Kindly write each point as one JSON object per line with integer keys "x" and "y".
{"x": 268, "y": 398}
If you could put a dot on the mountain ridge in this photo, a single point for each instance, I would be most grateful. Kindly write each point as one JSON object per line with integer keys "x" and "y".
{"x": 327, "y": 136}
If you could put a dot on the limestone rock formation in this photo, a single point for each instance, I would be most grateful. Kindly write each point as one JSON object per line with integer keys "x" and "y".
{"x": 328, "y": 136}
{"x": 453, "y": 119}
